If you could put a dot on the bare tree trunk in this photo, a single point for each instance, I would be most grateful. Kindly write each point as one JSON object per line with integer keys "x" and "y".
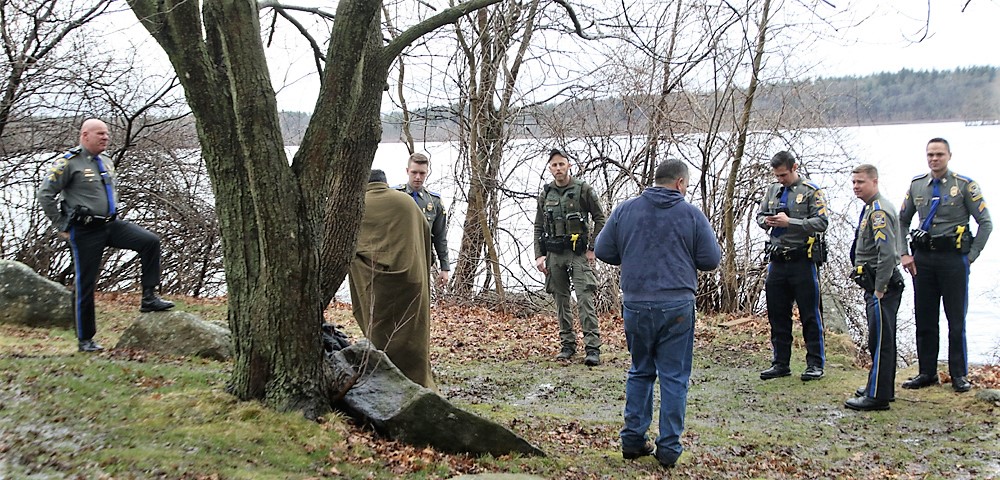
{"x": 487, "y": 131}
{"x": 730, "y": 282}
{"x": 282, "y": 262}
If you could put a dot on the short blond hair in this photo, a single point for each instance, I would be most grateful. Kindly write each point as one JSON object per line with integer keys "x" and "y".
{"x": 419, "y": 159}
{"x": 867, "y": 169}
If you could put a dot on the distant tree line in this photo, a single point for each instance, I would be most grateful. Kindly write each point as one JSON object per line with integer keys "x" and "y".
{"x": 906, "y": 96}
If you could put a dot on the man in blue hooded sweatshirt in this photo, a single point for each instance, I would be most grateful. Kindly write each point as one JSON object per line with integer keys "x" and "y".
{"x": 660, "y": 241}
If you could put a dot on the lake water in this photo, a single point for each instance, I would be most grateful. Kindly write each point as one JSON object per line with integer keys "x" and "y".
{"x": 897, "y": 151}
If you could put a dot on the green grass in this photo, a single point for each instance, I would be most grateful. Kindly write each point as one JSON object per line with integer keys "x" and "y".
{"x": 117, "y": 415}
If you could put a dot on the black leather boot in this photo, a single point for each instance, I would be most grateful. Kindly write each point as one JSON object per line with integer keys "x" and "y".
{"x": 152, "y": 302}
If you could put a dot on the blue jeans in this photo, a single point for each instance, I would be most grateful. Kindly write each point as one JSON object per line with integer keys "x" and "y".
{"x": 660, "y": 337}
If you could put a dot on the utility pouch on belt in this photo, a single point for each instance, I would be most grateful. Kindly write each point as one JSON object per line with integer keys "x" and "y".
{"x": 816, "y": 249}
{"x": 864, "y": 276}
{"x": 555, "y": 244}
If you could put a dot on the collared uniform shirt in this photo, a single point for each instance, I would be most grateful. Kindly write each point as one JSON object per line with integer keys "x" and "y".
{"x": 437, "y": 217}
{"x": 960, "y": 198}
{"x": 807, "y": 213}
{"x": 76, "y": 178}
{"x": 876, "y": 243}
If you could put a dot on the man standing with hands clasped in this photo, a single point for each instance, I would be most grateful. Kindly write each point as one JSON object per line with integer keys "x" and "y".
{"x": 875, "y": 260}
{"x": 80, "y": 195}
{"x": 943, "y": 249}
{"x": 661, "y": 242}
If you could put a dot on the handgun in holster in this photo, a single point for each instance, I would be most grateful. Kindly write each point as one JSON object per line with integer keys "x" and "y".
{"x": 864, "y": 276}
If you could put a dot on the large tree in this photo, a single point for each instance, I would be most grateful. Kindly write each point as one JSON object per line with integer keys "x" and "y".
{"x": 288, "y": 228}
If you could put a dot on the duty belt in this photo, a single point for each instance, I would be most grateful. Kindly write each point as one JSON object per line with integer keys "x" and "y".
{"x": 90, "y": 220}
{"x": 959, "y": 242}
{"x": 784, "y": 255}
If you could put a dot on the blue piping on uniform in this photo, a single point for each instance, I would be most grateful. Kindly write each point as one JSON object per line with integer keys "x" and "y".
{"x": 76, "y": 280}
{"x": 819, "y": 314}
{"x": 873, "y": 376}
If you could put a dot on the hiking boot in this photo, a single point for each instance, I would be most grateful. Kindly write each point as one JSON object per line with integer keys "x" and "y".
{"x": 643, "y": 451}
{"x": 565, "y": 354}
{"x": 593, "y": 358}
{"x": 153, "y": 303}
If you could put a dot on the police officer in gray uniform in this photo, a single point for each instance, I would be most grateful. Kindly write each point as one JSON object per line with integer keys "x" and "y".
{"x": 875, "y": 260}
{"x": 79, "y": 194}
{"x": 564, "y": 252}
{"x": 417, "y": 170}
{"x": 942, "y": 250}
{"x": 793, "y": 212}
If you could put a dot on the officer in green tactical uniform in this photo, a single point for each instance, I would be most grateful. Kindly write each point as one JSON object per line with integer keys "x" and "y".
{"x": 793, "y": 211}
{"x": 80, "y": 195}
{"x": 417, "y": 170}
{"x": 875, "y": 259}
{"x": 564, "y": 252}
{"x": 943, "y": 247}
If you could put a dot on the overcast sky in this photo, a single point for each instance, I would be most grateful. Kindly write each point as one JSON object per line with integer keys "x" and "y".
{"x": 891, "y": 39}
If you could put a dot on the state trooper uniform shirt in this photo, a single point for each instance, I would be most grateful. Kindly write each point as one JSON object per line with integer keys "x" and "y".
{"x": 437, "y": 217}
{"x": 876, "y": 242}
{"x": 806, "y": 210}
{"x": 959, "y": 197}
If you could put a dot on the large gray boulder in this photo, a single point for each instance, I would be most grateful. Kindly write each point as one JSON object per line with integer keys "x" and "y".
{"x": 29, "y": 299}
{"x": 177, "y": 333}
{"x": 416, "y": 415}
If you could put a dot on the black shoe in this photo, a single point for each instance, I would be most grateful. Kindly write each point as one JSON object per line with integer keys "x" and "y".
{"x": 921, "y": 381}
{"x": 593, "y": 358}
{"x": 960, "y": 384}
{"x": 860, "y": 392}
{"x": 153, "y": 303}
{"x": 866, "y": 404}
{"x": 812, "y": 373}
{"x": 89, "y": 346}
{"x": 566, "y": 353}
{"x": 646, "y": 450}
{"x": 775, "y": 371}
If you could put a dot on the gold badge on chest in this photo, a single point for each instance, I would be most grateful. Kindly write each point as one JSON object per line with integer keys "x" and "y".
{"x": 799, "y": 198}
{"x": 954, "y": 190}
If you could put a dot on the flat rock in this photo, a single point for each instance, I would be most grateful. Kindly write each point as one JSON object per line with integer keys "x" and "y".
{"x": 410, "y": 413}
{"x": 29, "y": 299}
{"x": 177, "y": 333}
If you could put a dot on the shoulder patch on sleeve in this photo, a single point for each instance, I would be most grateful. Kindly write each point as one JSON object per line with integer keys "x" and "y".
{"x": 879, "y": 219}
{"x": 975, "y": 193}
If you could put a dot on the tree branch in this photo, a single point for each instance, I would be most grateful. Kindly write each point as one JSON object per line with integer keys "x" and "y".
{"x": 448, "y": 15}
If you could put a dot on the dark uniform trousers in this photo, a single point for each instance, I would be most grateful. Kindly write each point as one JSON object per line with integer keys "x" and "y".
{"x": 941, "y": 276}
{"x": 882, "y": 339}
{"x": 797, "y": 281}
{"x": 87, "y": 244}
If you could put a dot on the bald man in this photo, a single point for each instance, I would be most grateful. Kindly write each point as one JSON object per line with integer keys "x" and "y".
{"x": 79, "y": 194}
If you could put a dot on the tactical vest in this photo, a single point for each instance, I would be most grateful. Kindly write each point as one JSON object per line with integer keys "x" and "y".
{"x": 564, "y": 215}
